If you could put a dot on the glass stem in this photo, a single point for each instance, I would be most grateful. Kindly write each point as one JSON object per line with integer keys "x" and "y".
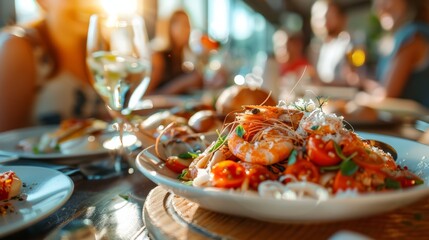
{"x": 119, "y": 161}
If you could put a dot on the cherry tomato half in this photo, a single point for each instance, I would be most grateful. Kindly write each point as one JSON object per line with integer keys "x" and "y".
{"x": 367, "y": 180}
{"x": 256, "y": 174}
{"x": 304, "y": 170}
{"x": 177, "y": 164}
{"x": 342, "y": 182}
{"x": 228, "y": 174}
{"x": 369, "y": 159}
{"x": 322, "y": 153}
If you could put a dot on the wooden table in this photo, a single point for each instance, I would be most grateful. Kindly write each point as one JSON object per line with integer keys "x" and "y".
{"x": 116, "y": 218}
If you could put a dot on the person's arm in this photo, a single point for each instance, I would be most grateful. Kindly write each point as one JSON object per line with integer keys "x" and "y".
{"x": 17, "y": 82}
{"x": 409, "y": 56}
{"x": 183, "y": 84}
{"x": 158, "y": 69}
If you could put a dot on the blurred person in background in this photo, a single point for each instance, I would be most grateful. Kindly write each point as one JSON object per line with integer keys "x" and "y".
{"x": 290, "y": 53}
{"x": 174, "y": 69}
{"x": 332, "y": 44}
{"x": 403, "y": 70}
{"x": 292, "y": 63}
{"x": 43, "y": 73}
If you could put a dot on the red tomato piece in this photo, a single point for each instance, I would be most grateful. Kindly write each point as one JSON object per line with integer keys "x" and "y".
{"x": 304, "y": 170}
{"x": 256, "y": 174}
{"x": 369, "y": 160}
{"x": 177, "y": 164}
{"x": 408, "y": 179}
{"x": 322, "y": 153}
{"x": 228, "y": 174}
{"x": 342, "y": 182}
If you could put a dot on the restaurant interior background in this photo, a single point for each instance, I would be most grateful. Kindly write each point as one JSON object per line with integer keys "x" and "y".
{"x": 243, "y": 27}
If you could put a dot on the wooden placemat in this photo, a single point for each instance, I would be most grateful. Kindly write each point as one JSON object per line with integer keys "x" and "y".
{"x": 168, "y": 216}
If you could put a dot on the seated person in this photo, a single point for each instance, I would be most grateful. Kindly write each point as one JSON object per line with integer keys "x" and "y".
{"x": 403, "y": 71}
{"x": 172, "y": 70}
{"x": 332, "y": 43}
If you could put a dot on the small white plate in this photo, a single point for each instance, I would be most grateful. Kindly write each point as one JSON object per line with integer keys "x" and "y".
{"x": 412, "y": 154}
{"x": 76, "y": 148}
{"x": 47, "y": 190}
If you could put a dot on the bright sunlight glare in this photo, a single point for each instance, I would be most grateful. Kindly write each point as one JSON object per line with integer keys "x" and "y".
{"x": 120, "y": 7}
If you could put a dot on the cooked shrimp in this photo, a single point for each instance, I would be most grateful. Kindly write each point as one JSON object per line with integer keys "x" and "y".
{"x": 270, "y": 115}
{"x": 271, "y": 146}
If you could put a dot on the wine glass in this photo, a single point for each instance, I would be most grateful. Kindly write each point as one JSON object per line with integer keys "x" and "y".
{"x": 118, "y": 57}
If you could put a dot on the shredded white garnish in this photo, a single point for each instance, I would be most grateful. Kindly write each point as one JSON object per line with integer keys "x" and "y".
{"x": 293, "y": 191}
{"x": 202, "y": 179}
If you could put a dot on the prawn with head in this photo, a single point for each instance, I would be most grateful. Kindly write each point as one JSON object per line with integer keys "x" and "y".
{"x": 255, "y": 118}
{"x": 265, "y": 134}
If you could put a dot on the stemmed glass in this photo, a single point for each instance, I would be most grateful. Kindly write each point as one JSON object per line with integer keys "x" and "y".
{"x": 119, "y": 59}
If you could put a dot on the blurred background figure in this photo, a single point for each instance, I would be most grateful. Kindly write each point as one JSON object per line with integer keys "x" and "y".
{"x": 293, "y": 65}
{"x": 403, "y": 69}
{"x": 289, "y": 51}
{"x": 43, "y": 75}
{"x": 332, "y": 44}
{"x": 174, "y": 69}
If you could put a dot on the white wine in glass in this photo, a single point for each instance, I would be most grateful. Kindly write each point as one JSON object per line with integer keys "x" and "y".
{"x": 118, "y": 57}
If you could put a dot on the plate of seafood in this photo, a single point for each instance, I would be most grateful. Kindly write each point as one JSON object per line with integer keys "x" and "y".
{"x": 290, "y": 163}
{"x": 29, "y": 194}
{"x": 72, "y": 138}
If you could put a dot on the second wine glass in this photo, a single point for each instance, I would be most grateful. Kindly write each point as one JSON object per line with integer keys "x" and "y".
{"x": 118, "y": 57}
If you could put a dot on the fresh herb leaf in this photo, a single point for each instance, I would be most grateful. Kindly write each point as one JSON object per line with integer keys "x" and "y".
{"x": 315, "y": 127}
{"x": 348, "y": 167}
{"x": 221, "y": 140}
{"x": 340, "y": 153}
{"x": 330, "y": 168}
{"x": 418, "y": 182}
{"x": 126, "y": 197}
{"x": 392, "y": 184}
{"x": 240, "y": 131}
{"x": 182, "y": 176}
{"x": 292, "y": 157}
{"x": 188, "y": 155}
{"x": 321, "y": 101}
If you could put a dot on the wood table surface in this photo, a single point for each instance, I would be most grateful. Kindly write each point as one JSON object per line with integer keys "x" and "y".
{"x": 114, "y": 217}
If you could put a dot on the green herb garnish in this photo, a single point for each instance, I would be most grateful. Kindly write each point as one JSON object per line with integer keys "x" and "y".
{"x": 188, "y": 155}
{"x": 392, "y": 184}
{"x": 183, "y": 174}
{"x": 126, "y": 197}
{"x": 348, "y": 167}
{"x": 330, "y": 168}
{"x": 221, "y": 140}
{"x": 240, "y": 131}
{"x": 292, "y": 157}
{"x": 340, "y": 153}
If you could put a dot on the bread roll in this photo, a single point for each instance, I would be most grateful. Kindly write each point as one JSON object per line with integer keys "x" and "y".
{"x": 234, "y": 97}
{"x": 205, "y": 121}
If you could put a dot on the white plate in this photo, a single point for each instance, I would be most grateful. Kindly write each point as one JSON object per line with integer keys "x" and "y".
{"x": 47, "y": 190}
{"x": 9, "y": 144}
{"x": 411, "y": 154}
